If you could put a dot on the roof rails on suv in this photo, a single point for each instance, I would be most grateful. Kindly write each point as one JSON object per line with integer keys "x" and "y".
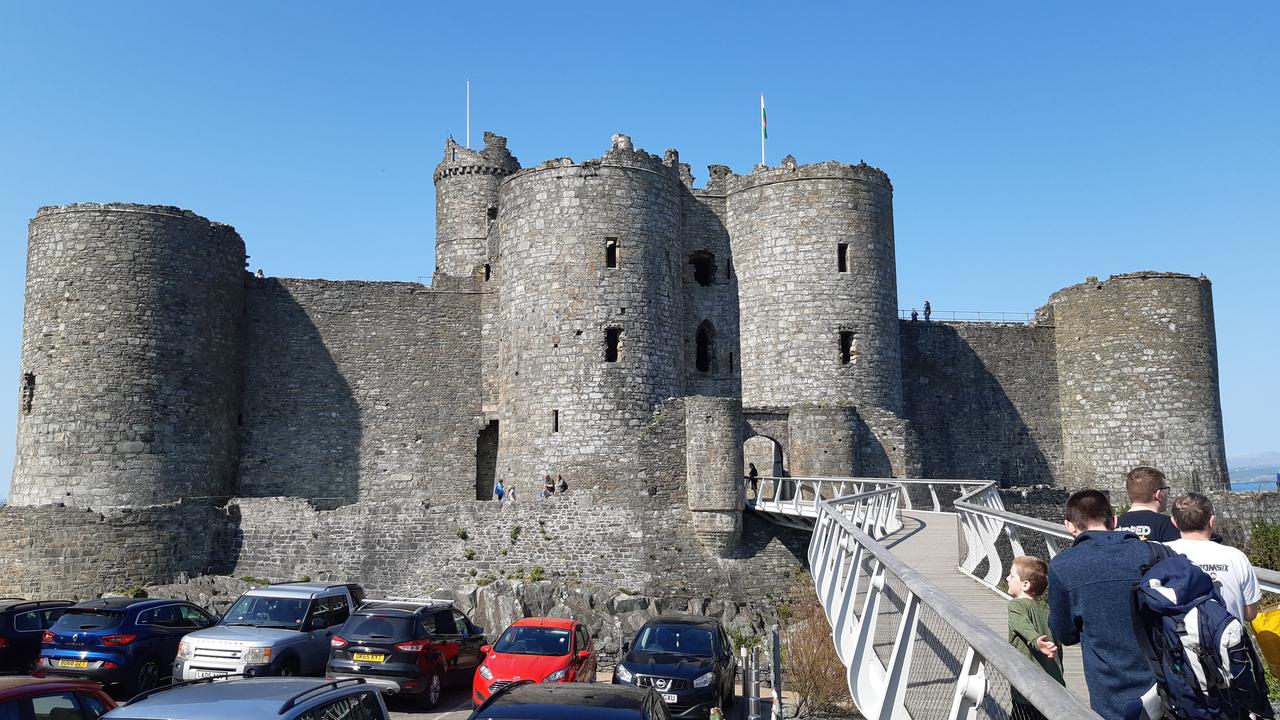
{"x": 334, "y": 684}
{"x": 184, "y": 683}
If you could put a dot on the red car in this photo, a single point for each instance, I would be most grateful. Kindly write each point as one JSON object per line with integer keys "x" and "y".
{"x": 33, "y": 697}
{"x": 544, "y": 650}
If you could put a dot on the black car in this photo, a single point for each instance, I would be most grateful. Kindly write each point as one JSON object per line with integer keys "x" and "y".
{"x": 408, "y": 647}
{"x": 687, "y": 659}
{"x": 22, "y": 625}
{"x": 580, "y": 701}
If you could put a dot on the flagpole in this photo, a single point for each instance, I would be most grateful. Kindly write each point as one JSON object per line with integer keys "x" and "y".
{"x": 468, "y": 114}
{"x": 762, "y": 128}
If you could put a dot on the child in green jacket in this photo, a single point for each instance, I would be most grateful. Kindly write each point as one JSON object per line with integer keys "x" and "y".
{"x": 1029, "y": 625}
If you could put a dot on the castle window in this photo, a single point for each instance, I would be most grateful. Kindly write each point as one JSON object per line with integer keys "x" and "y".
{"x": 555, "y": 421}
{"x": 488, "y": 272}
{"x": 612, "y": 336}
{"x": 706, "y": 352}
{"x": 846, "y": 347}
{"x": 704, "y": 267}
{"x": 28, "y": 392}
{"x": 728, "y": 268}
{"x": 842, "y": 257}
{"x": 730, "y": 362}
{"x": 493, "y": 212}
{"x": 611, "y": 252}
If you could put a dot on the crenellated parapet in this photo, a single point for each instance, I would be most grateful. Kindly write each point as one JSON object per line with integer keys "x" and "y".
{"x": 789, "y": 171}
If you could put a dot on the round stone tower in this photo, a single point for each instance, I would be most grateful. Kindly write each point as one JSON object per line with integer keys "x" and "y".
{"x": 713, "y": 453}
{"x": 467, "y": 203}
{"x": 1138, "y": 380}
{"x": 131, "y": 371}
{"x": 817, "y": 285}
{"x": 588, "y": 311}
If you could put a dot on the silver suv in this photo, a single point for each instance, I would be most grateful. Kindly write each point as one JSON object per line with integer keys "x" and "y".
{"x": 281, "y": 629}
{"x": 278, "y": 698}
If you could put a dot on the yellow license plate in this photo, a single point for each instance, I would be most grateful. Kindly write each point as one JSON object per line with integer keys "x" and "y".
{"x": 73, "y": 663}
{"x": 368, "y": 657}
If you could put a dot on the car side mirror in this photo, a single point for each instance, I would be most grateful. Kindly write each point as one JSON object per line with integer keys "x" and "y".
{"x": 317, "y": 623}
{"x": 477, "y": 630}
{"x": 584, "y": 654}
{"x": 485, "y": 649}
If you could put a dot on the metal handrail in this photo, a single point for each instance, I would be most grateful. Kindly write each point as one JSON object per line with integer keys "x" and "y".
{"x": 971, "y": 316}
{"x": 983, "y": 519}
{"x": 848, "y": 561}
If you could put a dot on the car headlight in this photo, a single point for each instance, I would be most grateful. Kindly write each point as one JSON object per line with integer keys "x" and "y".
{"x": 185, "y": 650}
{"x": 485, "y": 672}
{"x": 623, "y": 673}
{"x": 556, "y": 676}
{"x": 257, "y": 656}
{"x": 705, "y": 680}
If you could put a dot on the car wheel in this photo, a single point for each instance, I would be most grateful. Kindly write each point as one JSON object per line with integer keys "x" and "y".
{"x": 430, "y": 696}
{"x": 288, "y": 670}
{"x": 146, "y": 678}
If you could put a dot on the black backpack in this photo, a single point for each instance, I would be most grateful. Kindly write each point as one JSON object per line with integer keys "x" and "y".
{"x": 1205, "y": 665}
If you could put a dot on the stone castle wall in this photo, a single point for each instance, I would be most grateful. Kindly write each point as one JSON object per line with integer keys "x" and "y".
{"x": 130, "y": 357}
{"x": 984, "y": 399}
{"x": 360, "y": 390}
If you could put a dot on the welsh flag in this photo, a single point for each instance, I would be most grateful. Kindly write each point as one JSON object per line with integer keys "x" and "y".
{"x": 764, "y": 125}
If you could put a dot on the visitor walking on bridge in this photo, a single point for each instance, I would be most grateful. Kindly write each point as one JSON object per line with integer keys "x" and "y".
{"x": 1148, "y": 497}
{"x": 1090, "y": 590}
{"x": 1230, "y": 569}
{"x": 1029, "y": 625}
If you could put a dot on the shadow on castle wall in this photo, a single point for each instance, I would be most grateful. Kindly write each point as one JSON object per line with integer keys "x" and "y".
{"x": 983, "y": 401}
{"x": 301, "y": 426}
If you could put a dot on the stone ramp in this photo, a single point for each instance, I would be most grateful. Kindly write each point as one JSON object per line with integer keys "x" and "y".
{"x": 929, "y": 543}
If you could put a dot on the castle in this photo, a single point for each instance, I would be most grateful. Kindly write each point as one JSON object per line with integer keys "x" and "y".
{"x": 604, "y": 320}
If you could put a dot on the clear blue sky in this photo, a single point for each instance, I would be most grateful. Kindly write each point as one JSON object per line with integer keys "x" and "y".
{"x": 1028, "y": 147}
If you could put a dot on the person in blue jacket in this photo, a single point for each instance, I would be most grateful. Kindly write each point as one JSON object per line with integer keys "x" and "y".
{"x": 1090, "y": 585}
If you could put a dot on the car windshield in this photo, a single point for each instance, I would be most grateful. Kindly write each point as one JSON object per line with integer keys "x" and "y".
{"x": 81, "y": 619}
{"x": 533, "y": 641}
{"x": 376, "y": 627}
{"x": 259, "y": 611}
{"x": 678, "y": 639}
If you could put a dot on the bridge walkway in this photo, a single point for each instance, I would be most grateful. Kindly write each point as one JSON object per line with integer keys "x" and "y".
{"x": 928, "y": 542}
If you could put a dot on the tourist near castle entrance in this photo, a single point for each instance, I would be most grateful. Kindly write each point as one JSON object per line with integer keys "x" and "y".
{"x": 609, "y": 326}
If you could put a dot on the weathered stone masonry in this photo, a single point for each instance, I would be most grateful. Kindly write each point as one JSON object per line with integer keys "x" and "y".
{"x": 604, "y": 320}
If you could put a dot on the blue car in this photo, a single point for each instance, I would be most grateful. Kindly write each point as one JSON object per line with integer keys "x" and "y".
{"x": 129, "y": 642}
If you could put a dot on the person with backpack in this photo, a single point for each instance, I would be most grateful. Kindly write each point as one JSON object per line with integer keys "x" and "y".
{"x": 500, "y": 492}
{"x": 1230, "y": 569}
{"x": 1090, "y": 603}
{"x": 1204, "y": 663}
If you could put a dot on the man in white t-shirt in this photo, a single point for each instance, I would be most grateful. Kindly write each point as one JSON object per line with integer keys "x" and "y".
{"x": 1229, "y": 568}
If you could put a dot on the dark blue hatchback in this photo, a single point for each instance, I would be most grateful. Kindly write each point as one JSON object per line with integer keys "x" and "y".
{"x": 129, "y": 642}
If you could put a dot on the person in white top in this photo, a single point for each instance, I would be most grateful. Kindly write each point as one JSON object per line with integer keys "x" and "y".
{"x": 1229, "y": 568}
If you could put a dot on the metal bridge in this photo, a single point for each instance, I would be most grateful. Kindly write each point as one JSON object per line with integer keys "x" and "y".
{"x": 909, "y": 573}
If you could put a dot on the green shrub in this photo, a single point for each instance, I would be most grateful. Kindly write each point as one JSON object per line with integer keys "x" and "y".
{"x": 1264, "y": 545}
{"x": 535, "y": 573}
{"x": 462, "y": 534}
{"x": 469, "y": 554}
{"x": 486, "y": 580}
{"x": 255, "y": 580}
{"x": 515, "y": 534}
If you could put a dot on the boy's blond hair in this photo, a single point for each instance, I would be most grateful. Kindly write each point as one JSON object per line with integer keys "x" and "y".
{"x": 1034, "y": 571}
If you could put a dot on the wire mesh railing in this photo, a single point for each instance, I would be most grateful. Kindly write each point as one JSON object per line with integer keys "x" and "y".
{"x": 910, "y": 650}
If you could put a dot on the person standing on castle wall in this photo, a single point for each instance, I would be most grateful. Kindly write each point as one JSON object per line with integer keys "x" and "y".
{"x": 548, "y": 486}
{"x": 500, "y": 491}
{"x": 754, "y": 476}
{"x": 915, "y": 316}
{"x": 564, "y": 486}
{"x": 1148, "y": 497}
{"x": 928, "y": 310}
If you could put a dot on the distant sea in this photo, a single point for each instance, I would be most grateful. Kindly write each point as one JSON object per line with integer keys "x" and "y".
{"x": 1254, "y": 473}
